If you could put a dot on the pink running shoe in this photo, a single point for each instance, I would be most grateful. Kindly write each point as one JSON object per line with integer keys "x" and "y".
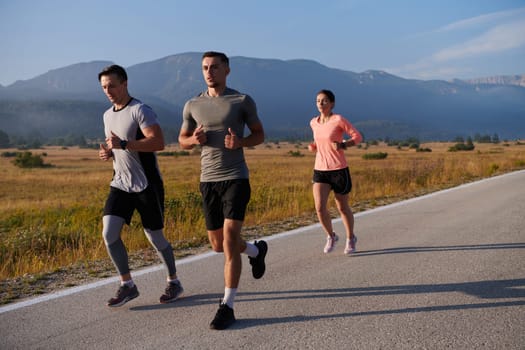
{"x": 351, "y": 245}
{"x": 330, "y": 243}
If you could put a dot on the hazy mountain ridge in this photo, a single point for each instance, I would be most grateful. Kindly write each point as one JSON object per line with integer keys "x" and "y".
{"x": 518, "y": 80}
{"x": 379, "y": 103}
{"x": 74, "y": 81}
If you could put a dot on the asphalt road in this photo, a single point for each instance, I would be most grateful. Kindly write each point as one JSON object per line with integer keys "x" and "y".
{"x": 443, "y": 271}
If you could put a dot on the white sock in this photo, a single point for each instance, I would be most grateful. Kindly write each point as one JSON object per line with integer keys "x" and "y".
{"x": 174, "y": 281}
{"x": 229, "y": 295}
{"x": 251, "y": 250}
{"x": 129, "y": 283}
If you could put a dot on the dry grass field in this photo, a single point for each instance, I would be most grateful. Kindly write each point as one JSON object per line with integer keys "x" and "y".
{"x": 51, "y": 217}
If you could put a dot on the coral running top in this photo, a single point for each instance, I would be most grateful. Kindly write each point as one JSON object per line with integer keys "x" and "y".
{"x": 325, "y": 134}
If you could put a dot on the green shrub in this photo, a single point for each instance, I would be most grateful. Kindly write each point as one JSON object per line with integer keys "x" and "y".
{"x": 176, "y": 154}
{"x": 296, "y": 154}
{"x": 493, "y": 168}
{"x": 461, "y": 147}
{"x": 28, "y": 160}
{"x": 378, "y": 155}
{"x": 520, "y": 163}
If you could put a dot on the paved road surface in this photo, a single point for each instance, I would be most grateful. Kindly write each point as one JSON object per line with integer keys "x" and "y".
{"x": 445, "y": 271}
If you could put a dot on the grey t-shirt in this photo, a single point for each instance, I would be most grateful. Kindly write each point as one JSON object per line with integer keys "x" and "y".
{"x": 230, "y": 110}
{"x": 132, "y": 170}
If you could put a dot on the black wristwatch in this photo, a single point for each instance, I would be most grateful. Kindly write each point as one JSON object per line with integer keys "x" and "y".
{"x": 123, "y": 144}
{"x": 344, "y": 145}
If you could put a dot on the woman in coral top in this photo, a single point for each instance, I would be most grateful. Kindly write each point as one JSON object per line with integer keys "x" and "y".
{"x": 331, "y": 169}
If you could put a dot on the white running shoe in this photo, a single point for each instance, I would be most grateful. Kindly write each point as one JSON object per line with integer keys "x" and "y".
{"x": 330, "y": 243}
{"x": 351, "y": 245}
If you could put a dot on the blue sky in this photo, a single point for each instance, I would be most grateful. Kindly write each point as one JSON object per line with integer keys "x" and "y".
{"x": 420, "y": 39}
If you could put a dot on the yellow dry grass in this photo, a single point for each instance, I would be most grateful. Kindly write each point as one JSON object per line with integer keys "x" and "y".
{"x": 51, "y": 217}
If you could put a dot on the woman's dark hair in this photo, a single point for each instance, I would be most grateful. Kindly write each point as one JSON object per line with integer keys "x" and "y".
{"x": 328, "y": 94}
{"x": 221, "y": 55}
{"x": 114, "y": 69}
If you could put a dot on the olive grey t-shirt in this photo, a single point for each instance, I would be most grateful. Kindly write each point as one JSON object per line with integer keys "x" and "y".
{"x": 230, "y": 110}
{"x": 133, "y": 170}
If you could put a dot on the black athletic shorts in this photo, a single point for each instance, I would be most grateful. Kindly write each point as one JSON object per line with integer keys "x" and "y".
{"x": 224, "y": 200}
{"x": 149, "y": 203}
{"x": 340, "y": 180}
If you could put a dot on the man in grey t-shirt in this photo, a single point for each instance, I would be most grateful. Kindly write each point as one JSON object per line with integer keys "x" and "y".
{"x": 133, "y": 135}
{"x": 215, "y": 120}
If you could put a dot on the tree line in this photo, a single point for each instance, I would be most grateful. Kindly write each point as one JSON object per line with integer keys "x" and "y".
{"x": 35, "y": 141}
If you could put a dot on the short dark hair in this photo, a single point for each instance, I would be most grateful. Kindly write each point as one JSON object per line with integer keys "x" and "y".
{"x": 328, "y": 94}
{"x": 221, "y": 55}
{"x": 114, "y": 69}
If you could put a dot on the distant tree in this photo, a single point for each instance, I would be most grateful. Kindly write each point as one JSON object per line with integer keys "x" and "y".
{"x": 69, "y": 140}
{"x": 483, "y": 138}
{"x": 495, "y": 138}
{"x": 392, "y": 143}
{"x": 34, "y": 144}
{"x": 412, "y": 140}
{"x": 17, "y": 141}
{"x": 4, "y": 139}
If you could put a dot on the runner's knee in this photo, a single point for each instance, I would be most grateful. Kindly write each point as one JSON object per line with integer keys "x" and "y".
{"x": 111, "y": 228}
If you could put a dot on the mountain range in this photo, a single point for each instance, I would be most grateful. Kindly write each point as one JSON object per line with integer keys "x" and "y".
{"x": 69, "y": 100}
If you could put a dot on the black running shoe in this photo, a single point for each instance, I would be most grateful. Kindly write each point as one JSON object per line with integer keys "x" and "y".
{"x": 124, "y": 294}
{"x": 173, "y": 292}
{"x": 223, "y": 319}
{"x": 258, "y": 265}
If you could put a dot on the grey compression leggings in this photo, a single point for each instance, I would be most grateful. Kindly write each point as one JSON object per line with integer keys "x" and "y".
{"x": 112, "y": 226}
